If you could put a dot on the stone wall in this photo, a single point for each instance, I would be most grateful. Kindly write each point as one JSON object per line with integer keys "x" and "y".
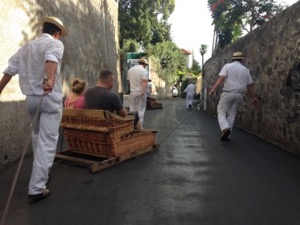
{"x": 92, "y": 44}
{"x": 273, "y": 56}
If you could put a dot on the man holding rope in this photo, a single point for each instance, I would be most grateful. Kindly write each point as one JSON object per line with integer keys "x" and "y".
{"x": 236, "y": 79}
{"x": 38, "y": 64}
{"x": 138, "y": 79}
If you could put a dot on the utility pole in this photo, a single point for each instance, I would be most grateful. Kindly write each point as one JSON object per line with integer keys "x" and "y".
{"x": 203, "y": 50}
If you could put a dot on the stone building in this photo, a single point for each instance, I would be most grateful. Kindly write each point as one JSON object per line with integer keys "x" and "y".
{"x": 92, "y": 44}
{"x": 273, "y": 56}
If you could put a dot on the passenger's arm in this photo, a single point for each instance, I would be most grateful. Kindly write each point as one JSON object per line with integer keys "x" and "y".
{"x": 123, "y": 112}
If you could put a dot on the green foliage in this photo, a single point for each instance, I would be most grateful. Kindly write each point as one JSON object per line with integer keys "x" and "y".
{"x": 167, "y": 58}
{"x": 231, "y": 17}
{"x": 130, "y": 45}
{"x": 196, "y": 68}
{"x": 161, "y": 32}
{"x": 203, "y": 49}
{"x": 134, "y": 20}
{"x": 145, "y": 20}
{"x": 184, "y": 84}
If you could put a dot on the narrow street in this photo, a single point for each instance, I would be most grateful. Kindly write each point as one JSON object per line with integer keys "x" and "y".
{"x": 193, "y": 179}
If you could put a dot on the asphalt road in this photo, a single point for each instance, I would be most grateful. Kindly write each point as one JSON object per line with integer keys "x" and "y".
{"x": 193, "y": 179}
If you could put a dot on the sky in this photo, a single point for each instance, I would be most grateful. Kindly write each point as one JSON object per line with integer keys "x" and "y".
{"x": 192, "y": 26}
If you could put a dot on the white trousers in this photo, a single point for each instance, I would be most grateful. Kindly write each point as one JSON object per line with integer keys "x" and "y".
{"x": 44, "y": 139}
{"x": 138, "y": 104}
{"x": 189, "y": 100}
{"x": 227, "y": 109}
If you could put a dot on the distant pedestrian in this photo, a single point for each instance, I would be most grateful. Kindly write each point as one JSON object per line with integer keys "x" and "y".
{"x": 38, "y": 64}
{"x": 236, "y": 79}
{"x": 138, "y": 80}
{"x": 75, "y": 99}
{"x": 149, "y": 88}
{"x": 190, "y": 92}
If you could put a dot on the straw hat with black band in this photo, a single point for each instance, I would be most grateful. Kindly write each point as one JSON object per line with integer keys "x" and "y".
{"x": 57, "y": 22}
{"x": 237, "y": 55}
{"x": 143, "y": 61}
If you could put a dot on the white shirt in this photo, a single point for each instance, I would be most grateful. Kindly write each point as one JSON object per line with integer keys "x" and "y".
{"x": 135, "y": 76}
{"x": 237, "y": 77}
{"x": 190, "y": 89}
{"x": 29, "y": 63}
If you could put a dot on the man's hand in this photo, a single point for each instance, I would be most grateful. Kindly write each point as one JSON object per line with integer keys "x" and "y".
{"x": 255, "y": 102}
{"x": 4, "y": 81}
{"x": 220, "y": 80}
{"x": 48, "y": 86}
{"x": 211, "y": 92}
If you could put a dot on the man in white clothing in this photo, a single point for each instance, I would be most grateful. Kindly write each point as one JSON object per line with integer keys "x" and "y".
{"x": 236, "y": 79}
{"x": 149, "y": 88}
{"x": 138, "y": 80}
{"x": 38, "y": 64}
{"x": 190, "y": 92}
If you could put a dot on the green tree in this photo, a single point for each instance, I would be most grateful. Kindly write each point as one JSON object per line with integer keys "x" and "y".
{"x": 231, "y": 17}
{"x": 196, "y": 68}
{"x": 145, "y": 20}
{"x": 134, "y": 20}
{"x": 161, "y": 32}
{"x": 167, "y": 58}
{"x": 130, "y": 45}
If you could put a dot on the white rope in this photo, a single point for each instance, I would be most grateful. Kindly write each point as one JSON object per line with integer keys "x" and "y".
{"x": 177, "y": 126}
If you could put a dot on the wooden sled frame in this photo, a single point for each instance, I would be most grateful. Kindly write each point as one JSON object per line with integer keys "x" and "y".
{"x": 152, "y": 104}
{"x": 100, "y": 139}
{"x": 96, "y": 164}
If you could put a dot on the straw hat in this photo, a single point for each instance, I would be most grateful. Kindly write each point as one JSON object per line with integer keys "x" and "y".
{"x": 237, "y": 55}
{"x": 144, "y": 61}
{"x": 57, "y": 22}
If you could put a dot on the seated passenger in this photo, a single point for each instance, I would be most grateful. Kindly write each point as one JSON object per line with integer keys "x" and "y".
{"x": 102, "y": 97}
{"x": 75, "y": 100}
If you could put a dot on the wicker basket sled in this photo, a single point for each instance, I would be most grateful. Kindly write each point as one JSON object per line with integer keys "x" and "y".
{"x": 107, "y": 137}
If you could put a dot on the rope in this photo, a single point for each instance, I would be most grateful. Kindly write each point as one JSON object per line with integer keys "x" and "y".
{"x": 34, "y": 121}
{"x": 177, "y": 126}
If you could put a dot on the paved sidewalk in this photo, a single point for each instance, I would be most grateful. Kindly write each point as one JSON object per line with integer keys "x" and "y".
{"x": 193, "y": 179}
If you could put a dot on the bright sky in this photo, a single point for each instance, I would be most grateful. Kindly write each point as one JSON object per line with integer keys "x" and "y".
{"x": 191, "y": 25}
